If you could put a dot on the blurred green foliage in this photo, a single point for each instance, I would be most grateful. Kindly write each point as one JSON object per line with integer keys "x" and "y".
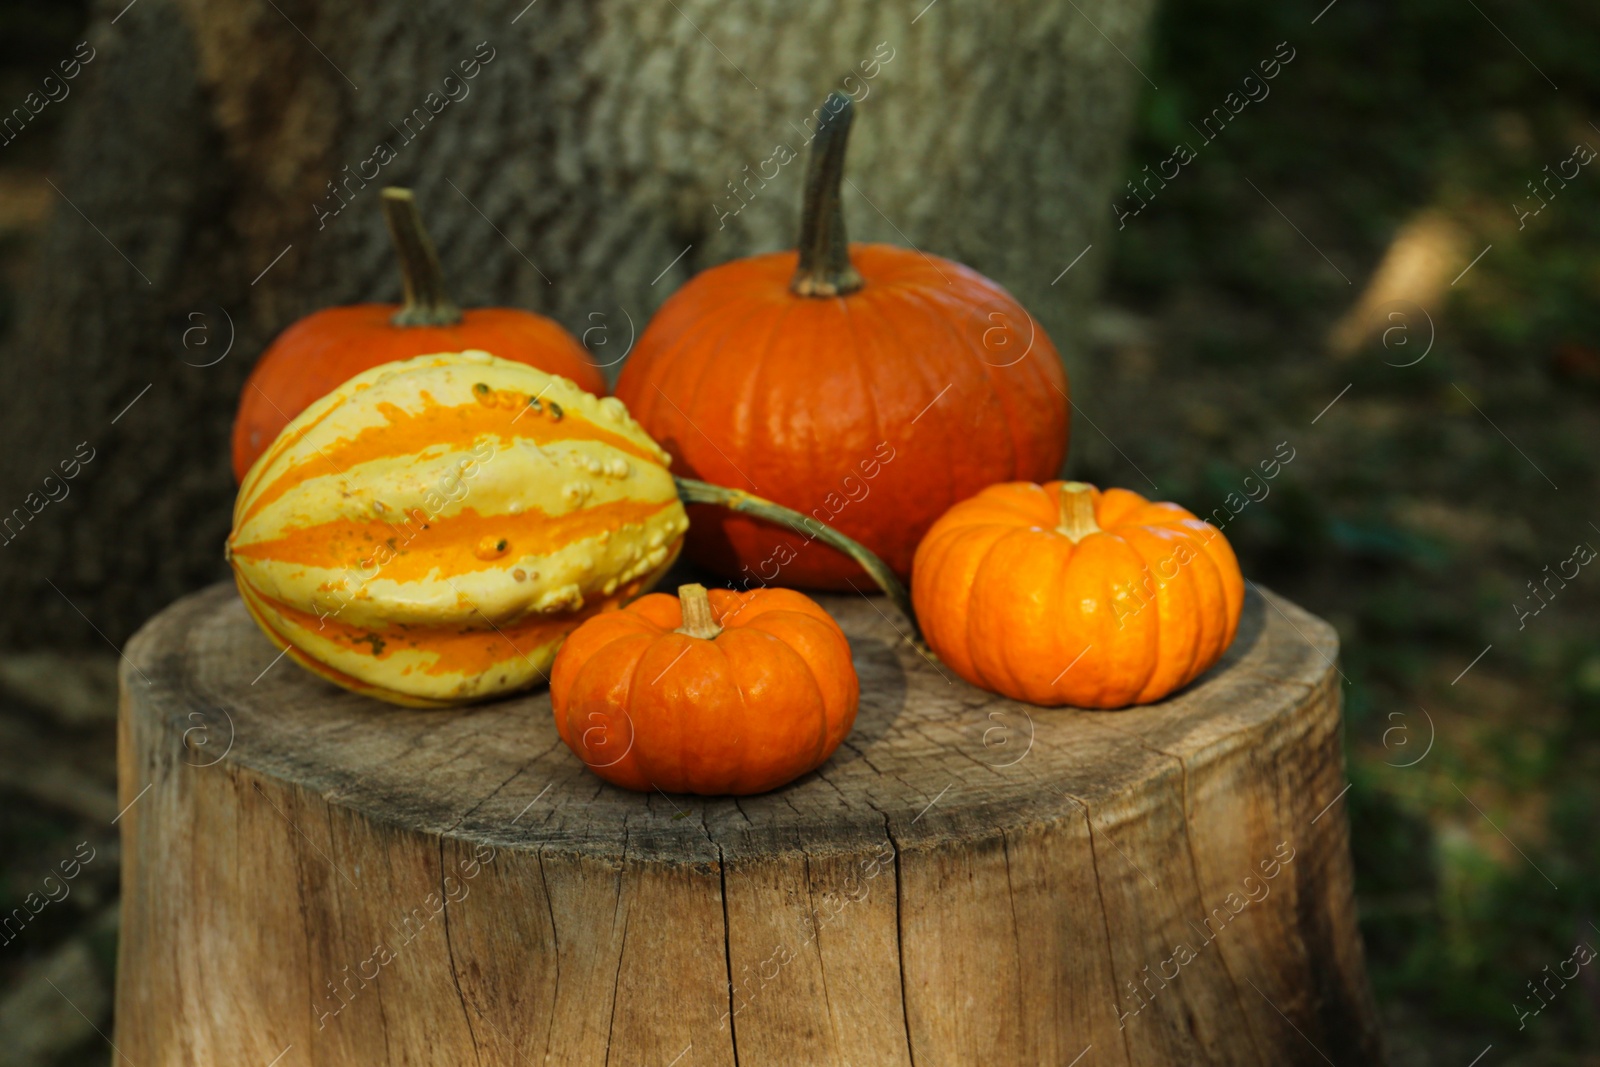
{"x": 1409, "y": 518}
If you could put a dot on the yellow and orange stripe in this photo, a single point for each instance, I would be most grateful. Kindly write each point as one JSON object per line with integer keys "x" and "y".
{"x": 431, "y": 530}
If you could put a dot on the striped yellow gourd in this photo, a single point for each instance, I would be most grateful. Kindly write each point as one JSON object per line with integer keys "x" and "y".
{"x": 431, "y": 530}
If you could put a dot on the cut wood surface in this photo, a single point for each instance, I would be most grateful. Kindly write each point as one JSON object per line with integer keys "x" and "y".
{"x": 314, "y": 876}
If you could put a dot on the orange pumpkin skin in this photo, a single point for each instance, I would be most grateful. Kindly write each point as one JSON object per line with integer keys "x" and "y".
{"x": 765, "y": 701}
{"x": 873, "y": 411}
{"x": 327, "y": 348}
{"x": 1127, "y": 614}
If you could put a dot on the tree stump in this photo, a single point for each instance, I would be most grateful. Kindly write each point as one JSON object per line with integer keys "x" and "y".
{"x": 311, "y": 877}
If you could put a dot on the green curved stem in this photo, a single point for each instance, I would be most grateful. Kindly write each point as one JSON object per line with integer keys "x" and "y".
{"x": 695, "y": 492}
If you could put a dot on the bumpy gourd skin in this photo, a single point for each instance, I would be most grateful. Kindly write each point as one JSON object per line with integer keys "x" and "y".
{"x": 873, "y": 412}
{"x": 767, "y": 700}
{"x": 431, "y": 530}
{"x": 327, "y": 347}
{"x": 1126, "y": 615}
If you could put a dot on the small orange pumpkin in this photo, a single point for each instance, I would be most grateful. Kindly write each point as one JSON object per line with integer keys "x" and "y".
{"x": 329, "y": 347}
{"x": 866, "y": 385}
{"x": 716, "y": 693}
{"x": 1062, "y": 594}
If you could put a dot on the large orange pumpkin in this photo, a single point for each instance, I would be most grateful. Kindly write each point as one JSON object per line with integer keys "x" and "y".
{"x": 715, "y": 693}
{"x": 1062, "y": 594}
{"x": 868, "y": 386}
{"x": 330, "y": 346}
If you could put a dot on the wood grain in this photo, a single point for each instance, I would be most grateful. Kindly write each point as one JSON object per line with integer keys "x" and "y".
{"x": 312, "y": 875}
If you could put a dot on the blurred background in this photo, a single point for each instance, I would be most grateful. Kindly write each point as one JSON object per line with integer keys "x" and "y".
{"x": 1379, "y": 260}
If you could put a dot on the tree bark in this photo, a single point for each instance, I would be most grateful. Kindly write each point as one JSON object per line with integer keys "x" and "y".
{"x": 313, "y": 876}
{"x": 596, "y": 161}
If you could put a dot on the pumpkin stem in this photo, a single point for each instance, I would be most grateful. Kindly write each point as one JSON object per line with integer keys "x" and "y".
{"x": 694, "y": 492}
{"x": 427, "y": 303}
{"x": 697, "y": 618}
{"x": 1077, "y": 511}
{"x": 825, "y": 268}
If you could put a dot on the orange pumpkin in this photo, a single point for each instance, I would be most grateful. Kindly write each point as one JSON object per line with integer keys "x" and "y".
{"x": 1062, "y": 594}
{"x": 868, "y": 386}
{"x": 715, "y": 693}
{"x": 328, "y": 347}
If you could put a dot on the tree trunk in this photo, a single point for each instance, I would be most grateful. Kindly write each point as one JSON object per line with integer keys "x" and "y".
{"x": 602, "y": 154}
{"x": 313, "y": 876}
